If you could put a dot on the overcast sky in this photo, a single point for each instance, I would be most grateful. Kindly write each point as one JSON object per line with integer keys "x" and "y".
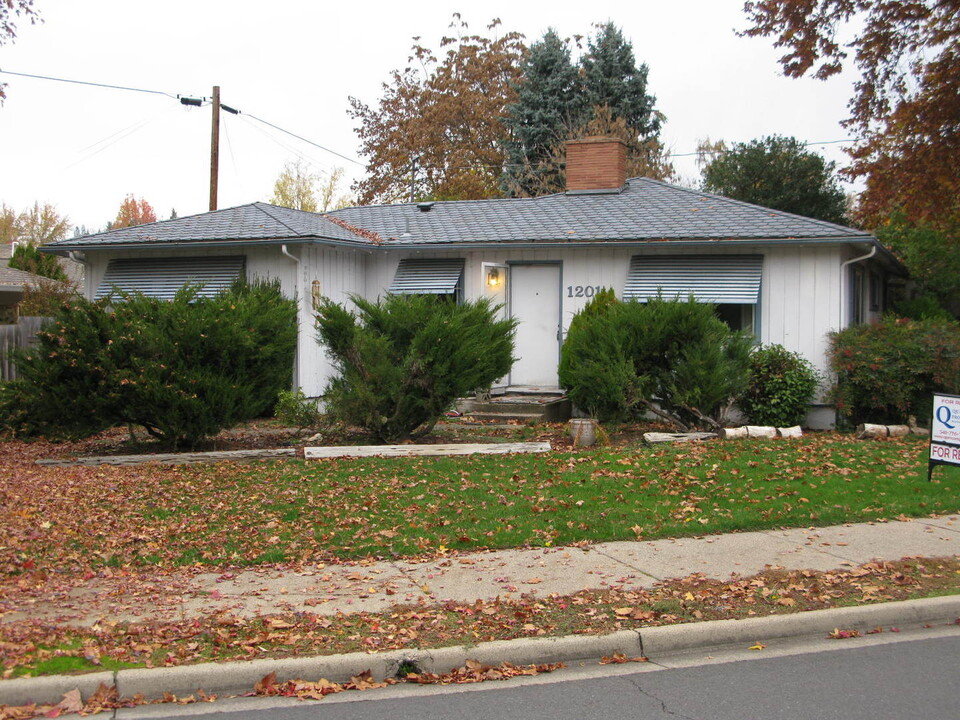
{"x": 295, "y": 63}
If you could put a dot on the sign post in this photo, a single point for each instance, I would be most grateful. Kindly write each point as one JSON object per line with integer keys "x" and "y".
{"x": 944, "y": 432}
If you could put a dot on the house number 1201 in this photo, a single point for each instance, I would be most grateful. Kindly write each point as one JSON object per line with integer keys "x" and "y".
{"x": 575, "y": 291}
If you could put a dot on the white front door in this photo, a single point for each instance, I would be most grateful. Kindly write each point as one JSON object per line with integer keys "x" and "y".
{"x": 535, "y": 303}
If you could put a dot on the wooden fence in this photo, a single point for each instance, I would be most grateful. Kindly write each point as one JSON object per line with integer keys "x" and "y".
{"x": 23, "y": 334}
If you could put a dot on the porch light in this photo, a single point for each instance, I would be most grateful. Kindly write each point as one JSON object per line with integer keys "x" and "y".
{"x": 493, "y": 277}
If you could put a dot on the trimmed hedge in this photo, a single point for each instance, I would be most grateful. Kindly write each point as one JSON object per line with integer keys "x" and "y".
{"x": 673, "y": 358}
{"x": 182, "y": 370}
{"x": 402, "y": 361}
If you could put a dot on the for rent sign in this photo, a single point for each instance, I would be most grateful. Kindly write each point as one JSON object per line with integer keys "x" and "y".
{"x": 944, "y": 431}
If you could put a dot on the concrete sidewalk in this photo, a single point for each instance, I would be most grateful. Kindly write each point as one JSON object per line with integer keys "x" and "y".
{"x": 377, "y": 586}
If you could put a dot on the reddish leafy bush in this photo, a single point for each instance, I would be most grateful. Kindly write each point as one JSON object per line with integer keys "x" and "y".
{"x": 888, "y": 371}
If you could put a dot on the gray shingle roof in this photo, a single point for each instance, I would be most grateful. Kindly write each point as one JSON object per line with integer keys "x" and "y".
{"x": 256, "y": 221}
{"x": 647, "y": 210}
{"x": 11, "y": 276}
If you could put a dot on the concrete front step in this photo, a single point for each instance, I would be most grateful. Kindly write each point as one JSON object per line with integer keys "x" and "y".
{"x": 525, "y": 408}
{"x": 528, "y": 418}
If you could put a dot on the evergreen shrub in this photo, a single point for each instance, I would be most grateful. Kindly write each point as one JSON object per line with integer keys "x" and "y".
{"x": 674, "y": 358}
{"x": 182, "y": 370}
{"x": 887, "y": 371}
{"x": 296, "y": 409}
{"x": 403, "y": 360}
{"x": 782, "y": 384}
{"x": 27, "y": 257}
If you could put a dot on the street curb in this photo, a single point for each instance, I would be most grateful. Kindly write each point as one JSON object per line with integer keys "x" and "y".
{"x": 50, "y": 689}
{"x": 688, "y": 636}
{"x": 235, "y": 678}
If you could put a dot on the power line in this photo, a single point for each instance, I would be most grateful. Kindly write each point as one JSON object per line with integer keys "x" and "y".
{"x": 317, "y": 165}
{"x": 114, "y": 139}
{"x": 806, "y": 144}
{"x": 489, "y": 166}
{"x": 87, "y": 82}
{"x": 309, "y": 142}
{"x": 180, "y": 97}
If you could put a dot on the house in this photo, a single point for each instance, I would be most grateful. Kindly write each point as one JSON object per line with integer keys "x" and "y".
{"x": 13, "y": 285}
{"x": 73, "y": 270}
{"x": 788, "y": 279}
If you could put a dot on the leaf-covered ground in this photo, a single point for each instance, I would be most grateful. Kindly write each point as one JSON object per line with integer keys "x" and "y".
{"x": 82, "y": 519}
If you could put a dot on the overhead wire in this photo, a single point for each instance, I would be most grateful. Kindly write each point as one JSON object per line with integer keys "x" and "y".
{"x": 309, "y": 142}
{"x": 138, "y": 123}
{"x": 178, "y": 97}
{"x": 88, "y": 82}
{"x": 324, "y": 148}
{"x": 131, "y": 130}
{"x": 310, "y": 160}
{"x": 233, "y": 159}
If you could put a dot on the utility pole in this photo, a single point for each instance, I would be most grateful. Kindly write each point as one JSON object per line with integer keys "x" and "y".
{"x": 215, "y": 148}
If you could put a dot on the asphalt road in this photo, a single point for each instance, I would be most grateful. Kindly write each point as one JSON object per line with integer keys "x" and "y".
{"x": 910, "y": 678}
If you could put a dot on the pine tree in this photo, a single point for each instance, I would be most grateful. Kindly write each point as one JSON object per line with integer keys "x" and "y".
{"x": 605, "y": 94}
{"x": 612, "y": 78}
{"x": 550, "y": 100}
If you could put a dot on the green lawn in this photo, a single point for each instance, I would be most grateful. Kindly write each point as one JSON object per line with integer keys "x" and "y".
{"x": 230, "y": 514}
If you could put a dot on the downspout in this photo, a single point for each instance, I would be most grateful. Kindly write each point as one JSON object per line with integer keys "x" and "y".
{"x": 299, "y": 294}
{"x": 844, "y": 298}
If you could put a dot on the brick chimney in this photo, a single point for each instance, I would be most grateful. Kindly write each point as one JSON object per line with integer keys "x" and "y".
{"x": 596, "y": 164}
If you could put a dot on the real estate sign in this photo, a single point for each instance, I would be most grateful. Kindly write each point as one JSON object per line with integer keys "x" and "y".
{"x": 944, "y": 432}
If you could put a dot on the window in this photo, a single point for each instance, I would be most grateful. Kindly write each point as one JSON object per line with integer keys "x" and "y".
{"x": 163, "y": 277}
{"x": 730, "y": 282}
{"x": 737, "y": 317}
{"x": 876, "y": 292}
{"x": 857, "y": 305}
{"x": 429, "y": 277}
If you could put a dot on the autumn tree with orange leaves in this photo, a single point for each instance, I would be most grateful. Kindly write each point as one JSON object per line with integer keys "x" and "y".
{"x": 906, "y": 105}
{"x": 445, "y": 112}
{"x": 133, "y": 212}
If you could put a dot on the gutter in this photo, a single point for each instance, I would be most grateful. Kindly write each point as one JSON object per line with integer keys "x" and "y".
{"x": 298, "y": 291}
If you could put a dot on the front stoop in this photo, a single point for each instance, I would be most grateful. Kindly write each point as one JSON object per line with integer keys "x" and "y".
{"x": 527, "y": 406}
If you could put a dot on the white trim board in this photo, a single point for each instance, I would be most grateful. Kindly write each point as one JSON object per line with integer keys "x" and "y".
{"x": 318, "y": 453}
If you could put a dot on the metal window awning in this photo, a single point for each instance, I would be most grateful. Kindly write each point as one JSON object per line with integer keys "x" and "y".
{"x": 427, "y": 277}
{"x": 163, "y": 277}
{"x": 708, "y": 278}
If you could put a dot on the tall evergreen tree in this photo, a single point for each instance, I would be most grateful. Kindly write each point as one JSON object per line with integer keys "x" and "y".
{"x": 550, "y": 100}
{"x": 604, "y": 94}
{"x": 612, "y": 78}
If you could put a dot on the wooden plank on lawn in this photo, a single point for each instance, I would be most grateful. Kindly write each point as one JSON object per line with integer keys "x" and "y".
{"x": 316, "y": 453}
{"x": 173, "y": 458}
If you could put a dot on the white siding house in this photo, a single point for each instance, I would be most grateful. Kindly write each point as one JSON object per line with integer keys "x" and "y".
{"x": 791, "y": 280}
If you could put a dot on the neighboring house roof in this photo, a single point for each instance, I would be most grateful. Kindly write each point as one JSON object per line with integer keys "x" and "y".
{"x": 644, "y": 211}
{"x": 73, "y": 269}
{"x": 11, "y": 277}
